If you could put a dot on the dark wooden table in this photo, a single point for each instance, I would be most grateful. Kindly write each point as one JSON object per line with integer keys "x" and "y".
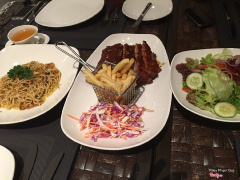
{"x": 189, "y": 146}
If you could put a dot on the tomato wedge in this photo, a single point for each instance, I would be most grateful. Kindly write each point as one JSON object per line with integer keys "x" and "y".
{"x": 187, "y": 89}
{"x": 221, "y": 65}
{"x": 202, "y": 67}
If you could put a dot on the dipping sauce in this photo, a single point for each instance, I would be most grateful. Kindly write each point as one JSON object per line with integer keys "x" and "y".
{"x": 23, "y": 34}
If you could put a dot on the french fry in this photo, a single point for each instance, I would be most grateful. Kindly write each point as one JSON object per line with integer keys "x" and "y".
{"x": 114, "y": 77}
{"x": 120, "y": 65}
{"x": 104, "y": 66}
{"x": 127, "y": 67}
{"x": 102, "y": 71}
{"x": 124, "y": 76}
{"x": 110, "y": 80}
{"x": 89, "y": 80}
{"x": 119, "y": 81}
{"x": 107, "y": 87}
{"x": 113, "y": 85}
{"x": 97, "y": 76}
{"x": 92, "y": 77}
{"x": 130, "y": 72}
{"x": 119, "y": 75}
{"x": 109, "y": 71}
{"x": 127, "y": 83}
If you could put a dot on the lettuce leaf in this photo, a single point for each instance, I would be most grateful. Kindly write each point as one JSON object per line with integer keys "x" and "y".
{"x": 198, "y": 100}
{"x": 216, "y": 89}
{"x": 207, "y": 60}
{"x": 226, "y": 54}
{"x": 213, "y": 90}
{"x": 192, "y": 63}
{"x": 235, "y": 98}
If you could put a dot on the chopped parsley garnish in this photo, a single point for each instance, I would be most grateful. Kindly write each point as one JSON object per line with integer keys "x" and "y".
{"x": 20, "y": 72}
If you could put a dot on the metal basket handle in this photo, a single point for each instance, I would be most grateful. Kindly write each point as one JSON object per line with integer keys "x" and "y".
{"x": 78, "y": 58}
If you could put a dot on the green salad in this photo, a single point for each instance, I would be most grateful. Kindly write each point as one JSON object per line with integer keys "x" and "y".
{"x": 212, "y": 83}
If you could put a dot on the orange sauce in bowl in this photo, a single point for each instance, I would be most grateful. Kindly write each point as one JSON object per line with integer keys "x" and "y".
{"x": 23, "y": 34}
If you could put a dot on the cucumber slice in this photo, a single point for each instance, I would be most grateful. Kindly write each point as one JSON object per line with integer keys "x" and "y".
{"x": 225, "y": 109}
{"x": 194, "y": 81}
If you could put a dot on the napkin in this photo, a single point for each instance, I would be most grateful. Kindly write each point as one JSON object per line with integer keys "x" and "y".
{"x": 50, "y": 141}
{"x": 222, "y": 26}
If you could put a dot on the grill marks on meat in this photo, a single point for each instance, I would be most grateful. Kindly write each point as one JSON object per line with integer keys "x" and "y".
{"x": 152, "y": 68}
{"x": 140, "y": 66}
{"x": 145, "y": 60}
{"x": 128, "y": 51}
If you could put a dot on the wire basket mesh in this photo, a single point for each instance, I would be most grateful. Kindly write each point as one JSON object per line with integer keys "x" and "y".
{"x": 105, "y": 95}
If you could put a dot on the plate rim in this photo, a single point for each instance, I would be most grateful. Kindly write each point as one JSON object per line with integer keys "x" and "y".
{"x": 215, "y": 117}
{"x": 166, "y": 114}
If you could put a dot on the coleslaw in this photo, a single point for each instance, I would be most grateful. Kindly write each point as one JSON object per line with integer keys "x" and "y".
{"x": 112, "y": 121}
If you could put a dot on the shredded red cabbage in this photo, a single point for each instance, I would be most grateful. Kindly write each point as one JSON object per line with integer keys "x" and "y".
{"x": 113, "y": 121}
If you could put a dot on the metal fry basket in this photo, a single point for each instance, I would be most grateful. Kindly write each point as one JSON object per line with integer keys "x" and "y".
{"x": 108, "y": 96}
{"x": 129, "y": 96}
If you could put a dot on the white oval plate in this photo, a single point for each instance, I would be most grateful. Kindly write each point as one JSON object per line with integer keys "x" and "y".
{"x": 7, "y": 164}
{"x": 62, "y": 13}
{"x": 44, "y": 53}
{"x": 176, "y": 82}
{"x": 157, "y": 96}
{"x": 159, "y": 9}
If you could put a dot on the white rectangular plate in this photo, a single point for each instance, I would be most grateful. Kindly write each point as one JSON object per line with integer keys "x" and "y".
{"x": 157, "y": 96}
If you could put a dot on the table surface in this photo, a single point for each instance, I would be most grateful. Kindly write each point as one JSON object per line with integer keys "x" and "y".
{"x": 189, "y": 146}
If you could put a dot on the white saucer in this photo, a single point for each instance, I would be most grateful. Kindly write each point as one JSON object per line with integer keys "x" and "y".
{"x": 44, "y": 39}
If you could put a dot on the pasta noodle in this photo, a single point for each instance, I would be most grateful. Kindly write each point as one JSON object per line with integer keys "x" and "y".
{"x": 27, "y": 93}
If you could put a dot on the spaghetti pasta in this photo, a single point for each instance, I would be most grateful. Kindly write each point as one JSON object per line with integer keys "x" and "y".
{"x": 28, "y": 93}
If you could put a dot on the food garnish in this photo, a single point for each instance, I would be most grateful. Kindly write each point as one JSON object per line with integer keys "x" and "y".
{"x": 20, "y": 72}
{"x": 112, "y": 121}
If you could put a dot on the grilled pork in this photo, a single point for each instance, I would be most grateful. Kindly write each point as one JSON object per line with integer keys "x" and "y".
{"x": 128, "y": 51}
{"x": 145, "y": 60}
{"x": 112, "y": 54}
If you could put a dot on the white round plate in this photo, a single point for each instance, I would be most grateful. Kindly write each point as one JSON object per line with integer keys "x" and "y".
{"x": 7, "y": 164}
{"x": 159, "y": 9}
{"x": 157, "y": 96}
{"x": 44, "y": 39}
{"x": 176, "y": 82}
{"x": 62, "y": 13}
{"x": 43, "y": 53}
